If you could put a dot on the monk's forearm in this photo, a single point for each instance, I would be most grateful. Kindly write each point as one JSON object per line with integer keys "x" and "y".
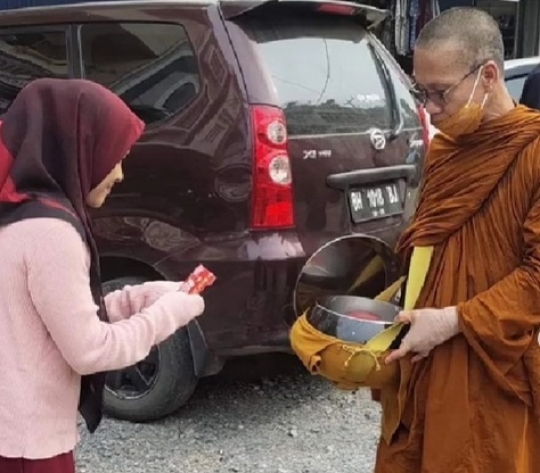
{"x": 499, "y": 323}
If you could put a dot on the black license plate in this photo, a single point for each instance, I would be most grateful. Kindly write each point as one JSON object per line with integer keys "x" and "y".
{"x": 375, "y": 201}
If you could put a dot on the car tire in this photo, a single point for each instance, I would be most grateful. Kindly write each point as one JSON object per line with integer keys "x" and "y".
{"x": 150, "y": 398}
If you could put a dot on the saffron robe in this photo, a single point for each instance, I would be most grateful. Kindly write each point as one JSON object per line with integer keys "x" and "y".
{"x": 473, "y": 405}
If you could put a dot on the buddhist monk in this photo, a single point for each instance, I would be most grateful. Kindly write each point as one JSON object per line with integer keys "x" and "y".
{"x": 468, "y": 398}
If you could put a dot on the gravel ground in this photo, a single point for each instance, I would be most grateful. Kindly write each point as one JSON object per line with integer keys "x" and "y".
{"x": 282, "y": 423}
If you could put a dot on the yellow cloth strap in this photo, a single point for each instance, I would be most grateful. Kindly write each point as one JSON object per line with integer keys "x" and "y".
{"x": 418, "y": 268}
{"x": 388, "y": 294}
{"x": 371, "y": 269}
{"x": 383, "y": 340}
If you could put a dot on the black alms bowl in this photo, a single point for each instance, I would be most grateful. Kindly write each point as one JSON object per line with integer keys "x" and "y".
{"x": 352, "y": 318}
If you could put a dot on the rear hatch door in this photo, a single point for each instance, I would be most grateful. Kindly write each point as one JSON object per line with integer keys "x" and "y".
{"x": 354, "y": 133}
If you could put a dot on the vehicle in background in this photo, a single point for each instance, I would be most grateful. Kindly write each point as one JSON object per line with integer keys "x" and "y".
{"x": 273, "y": 127}
{"x": 516, "y": 72}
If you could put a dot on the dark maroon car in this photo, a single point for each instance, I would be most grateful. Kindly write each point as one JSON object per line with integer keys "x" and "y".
{"x": 273, "y": 127}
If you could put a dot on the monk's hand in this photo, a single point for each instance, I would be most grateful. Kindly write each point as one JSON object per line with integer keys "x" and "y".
{"x": 429, "y": 328}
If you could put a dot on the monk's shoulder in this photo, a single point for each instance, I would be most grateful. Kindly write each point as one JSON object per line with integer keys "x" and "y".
{"x": 529, "y": 158}
{"x": 526, "y": 172}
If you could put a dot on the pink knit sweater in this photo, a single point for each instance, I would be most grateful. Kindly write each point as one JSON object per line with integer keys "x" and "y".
{"x": 50, "y": 334}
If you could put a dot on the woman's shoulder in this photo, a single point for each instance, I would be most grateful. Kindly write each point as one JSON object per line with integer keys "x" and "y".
{"x": 43, "y": 235}
{"x": 42, "y": 227}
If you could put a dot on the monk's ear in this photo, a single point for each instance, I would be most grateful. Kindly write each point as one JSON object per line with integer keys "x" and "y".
{"x": 491, "y": 74}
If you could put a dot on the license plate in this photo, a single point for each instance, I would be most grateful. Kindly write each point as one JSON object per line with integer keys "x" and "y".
{"x": 377, "y": 201}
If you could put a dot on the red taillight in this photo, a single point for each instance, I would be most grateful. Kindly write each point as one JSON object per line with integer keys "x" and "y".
{"x": 273, "y": 205}
{"x": 425, "y": 125}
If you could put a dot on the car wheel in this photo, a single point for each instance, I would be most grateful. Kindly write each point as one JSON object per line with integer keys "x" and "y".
{"x": 157, "y": 386}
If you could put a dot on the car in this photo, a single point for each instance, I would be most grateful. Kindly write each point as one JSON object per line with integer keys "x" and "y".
{"x": 516, "y": 72}
{"x": 273, "y": 128}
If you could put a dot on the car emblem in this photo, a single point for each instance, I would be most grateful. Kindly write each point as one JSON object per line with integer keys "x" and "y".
{"x": 378, "y": 139}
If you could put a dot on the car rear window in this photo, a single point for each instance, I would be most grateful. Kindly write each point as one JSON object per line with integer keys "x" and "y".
{"x": 326, "y": 75}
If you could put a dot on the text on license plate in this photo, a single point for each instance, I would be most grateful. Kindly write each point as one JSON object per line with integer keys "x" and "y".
{"x": 371, "y": 202}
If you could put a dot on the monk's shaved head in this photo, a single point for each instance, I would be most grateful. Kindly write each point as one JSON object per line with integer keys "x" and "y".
{"x": 472, "y": 31}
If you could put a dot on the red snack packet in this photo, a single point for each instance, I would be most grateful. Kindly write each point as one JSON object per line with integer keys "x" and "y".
{"x": 198, "y": 280}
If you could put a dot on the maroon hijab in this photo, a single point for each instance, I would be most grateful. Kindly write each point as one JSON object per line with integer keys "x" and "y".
{"x": 58, "y": 140}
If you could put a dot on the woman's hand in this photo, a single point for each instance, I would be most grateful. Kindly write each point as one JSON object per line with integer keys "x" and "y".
{"x": 429, "y": 328}
{"x": 129, "y": 300}
{"x": 151, "y": 291}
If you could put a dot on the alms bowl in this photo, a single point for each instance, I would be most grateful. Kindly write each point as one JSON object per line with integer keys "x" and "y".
{"x": 353, "y": 318}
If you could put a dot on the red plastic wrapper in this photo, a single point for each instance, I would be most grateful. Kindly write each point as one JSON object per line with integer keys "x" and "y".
{"x": 198, "y": 280}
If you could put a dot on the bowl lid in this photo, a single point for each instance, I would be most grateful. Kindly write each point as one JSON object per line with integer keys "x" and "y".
{"x": 358, "y": 265}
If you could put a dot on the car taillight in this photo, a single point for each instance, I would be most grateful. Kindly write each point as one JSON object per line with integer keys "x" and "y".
{"x": 273, "y": 205}
{"x": 425, "y": 125}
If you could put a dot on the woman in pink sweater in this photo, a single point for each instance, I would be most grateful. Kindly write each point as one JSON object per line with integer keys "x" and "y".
{"x": 62, "y": 143}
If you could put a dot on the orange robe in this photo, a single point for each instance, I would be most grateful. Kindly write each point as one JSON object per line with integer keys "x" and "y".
{"x": 473, "y": 405}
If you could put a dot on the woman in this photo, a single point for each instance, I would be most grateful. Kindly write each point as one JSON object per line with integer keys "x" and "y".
{"x": 62, "y": 143}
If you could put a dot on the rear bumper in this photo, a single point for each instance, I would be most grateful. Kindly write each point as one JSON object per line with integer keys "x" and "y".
{"x": 249, "y": 309}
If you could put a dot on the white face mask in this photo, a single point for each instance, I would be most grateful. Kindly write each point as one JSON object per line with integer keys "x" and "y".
{"x": 477, "y": 80}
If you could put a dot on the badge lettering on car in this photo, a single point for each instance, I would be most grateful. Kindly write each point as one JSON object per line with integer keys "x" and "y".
{"x": 317, "y": 153}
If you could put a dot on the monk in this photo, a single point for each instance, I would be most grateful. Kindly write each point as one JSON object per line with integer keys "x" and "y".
{"x": 468, "y": 398}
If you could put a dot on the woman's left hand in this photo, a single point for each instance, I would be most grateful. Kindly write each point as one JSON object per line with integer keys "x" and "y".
{"x": 429, "y": 328}
{"x": 153, "y": 290}
{"x": 123, "y": 303}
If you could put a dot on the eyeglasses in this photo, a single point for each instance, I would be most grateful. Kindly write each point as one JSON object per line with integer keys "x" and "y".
{"x": 438, "y": 97}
